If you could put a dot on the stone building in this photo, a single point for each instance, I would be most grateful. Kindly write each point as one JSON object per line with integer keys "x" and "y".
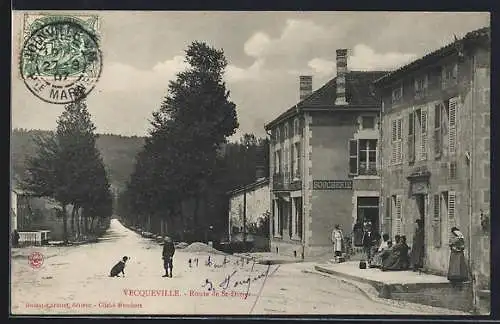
{"x": 435, "y": 150}
{"x": 323, "y": 162}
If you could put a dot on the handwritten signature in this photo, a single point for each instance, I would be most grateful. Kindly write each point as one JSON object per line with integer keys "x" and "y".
{"x": 227, "y": 282}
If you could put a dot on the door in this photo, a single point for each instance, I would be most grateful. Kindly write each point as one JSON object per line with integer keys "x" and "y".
{"x": 421, "y": 201}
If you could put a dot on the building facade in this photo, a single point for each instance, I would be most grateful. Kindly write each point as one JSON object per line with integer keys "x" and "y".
{"x": 435, "y": 150}
{"x": 323, "y": 169}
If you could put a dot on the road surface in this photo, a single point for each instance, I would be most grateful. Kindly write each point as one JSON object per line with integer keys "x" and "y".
{"x": 74, "y": 280}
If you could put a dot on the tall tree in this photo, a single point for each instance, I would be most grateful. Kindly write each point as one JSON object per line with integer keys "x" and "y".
{"x": 180, "y": 155}
{"x": 68, "y": 164}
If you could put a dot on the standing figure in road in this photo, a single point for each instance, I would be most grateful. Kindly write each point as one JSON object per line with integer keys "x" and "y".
{"x": 417, "y": 249}
{"x": 457, "y": 269}
{"x": 368, "y": 237}
{"x": 338, "y": 242}
{"x": 167, "y": 256}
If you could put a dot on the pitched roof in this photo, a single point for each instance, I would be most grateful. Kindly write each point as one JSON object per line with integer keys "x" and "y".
{"x": 259, "y": 183}
{"x": 359, "y": 94}
{"x": 434, "y": 56}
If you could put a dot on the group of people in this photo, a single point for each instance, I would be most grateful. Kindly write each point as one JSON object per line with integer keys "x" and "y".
{"x": 383, "y": 253}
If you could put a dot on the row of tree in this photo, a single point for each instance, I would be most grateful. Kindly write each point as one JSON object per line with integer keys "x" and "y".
{"x": 186, "y": 162}
{"x": 69, "y": 169}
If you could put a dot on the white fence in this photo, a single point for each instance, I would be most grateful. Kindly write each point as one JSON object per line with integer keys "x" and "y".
{"x": 34, "y": 238}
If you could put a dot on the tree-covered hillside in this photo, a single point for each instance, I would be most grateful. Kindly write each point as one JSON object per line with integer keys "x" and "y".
{"x": 118, "y": 152}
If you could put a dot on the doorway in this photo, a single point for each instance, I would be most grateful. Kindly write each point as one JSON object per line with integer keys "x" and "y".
{"x": 368, "y": 210}
{"x": 421, "y": 201}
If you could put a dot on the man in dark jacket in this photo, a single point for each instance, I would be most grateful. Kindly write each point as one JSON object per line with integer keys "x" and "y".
{"x": 167, "y": 256}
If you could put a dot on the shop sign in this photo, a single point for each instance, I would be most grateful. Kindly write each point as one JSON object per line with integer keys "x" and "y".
{"x": 332, "y": 184}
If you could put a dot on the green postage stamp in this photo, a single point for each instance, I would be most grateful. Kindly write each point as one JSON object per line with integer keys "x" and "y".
{"x": 60, "y": 58}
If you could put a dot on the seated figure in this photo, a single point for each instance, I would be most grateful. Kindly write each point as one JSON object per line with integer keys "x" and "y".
{"x": 398, "y": 258}
{"x": 381, "y": 251}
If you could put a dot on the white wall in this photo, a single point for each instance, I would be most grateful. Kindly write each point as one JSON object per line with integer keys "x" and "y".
{"x": 257, "y": 204}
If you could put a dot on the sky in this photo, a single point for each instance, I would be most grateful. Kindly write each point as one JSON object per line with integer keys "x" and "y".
{"x": 266, "y": 53}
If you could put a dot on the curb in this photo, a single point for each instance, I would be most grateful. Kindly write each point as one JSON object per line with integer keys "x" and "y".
{"x": 371, "y": 293}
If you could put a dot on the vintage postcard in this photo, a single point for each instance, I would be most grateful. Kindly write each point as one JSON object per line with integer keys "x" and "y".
{"x": 250, "y": 163}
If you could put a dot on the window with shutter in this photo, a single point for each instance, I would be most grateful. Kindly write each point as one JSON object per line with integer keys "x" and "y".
{"x": 423, "y": 134}
{"x": 399, "y": 141}
{"x": 452, "y": 169}
{"x": 452, "y": 125}
{"x": 438, "y": 135}
{"x": 398, "y": 214}
{"x": 451, "y": 209}
{"x": 437, "y": 221}
{"x": 394, "y": 131}
{"x": 411, "y": 137}
{"x": 353, "y": 157}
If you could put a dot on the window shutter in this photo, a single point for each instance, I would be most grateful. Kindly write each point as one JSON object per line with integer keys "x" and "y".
{"x": 388, "y": 217}
{"x": 398, "y": 215}
{"x": 411, "y": 137}
{"x": 394, "y": 131}
{"x": 353, "y": 157}
{"x": 437, "y": 221}
{"x": 452, "y": 125}
{"x": 423, "y": 134}
{"x": 438, "y": 142}
{"x": 400, "y": 136}
{"x": 451, "y": 209}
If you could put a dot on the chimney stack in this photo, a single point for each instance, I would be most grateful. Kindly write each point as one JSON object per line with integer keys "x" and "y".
{"x": 341, "y": 74}
{"x": 305, "y": 86}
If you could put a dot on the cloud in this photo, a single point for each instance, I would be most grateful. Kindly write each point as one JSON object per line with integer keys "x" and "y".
{"x": 363, "y": 58}
{"x": 297, "y": 39}
{"x": 122, "y": 77}
{"x": 322, "y": 66}
{"x": 257, "y": 44}
{"x": 237, "y": 74}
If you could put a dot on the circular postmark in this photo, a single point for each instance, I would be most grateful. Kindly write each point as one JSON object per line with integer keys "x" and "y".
{"x": 60, "y": 62}
{"x": 36, "y": 260}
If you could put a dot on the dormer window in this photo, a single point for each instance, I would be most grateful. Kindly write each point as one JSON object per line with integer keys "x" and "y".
{"x": 449, "y": 75}
{"x": 421, "y": 84}
{"x": 296, "y": 126}
{"x": 397, "y": 94}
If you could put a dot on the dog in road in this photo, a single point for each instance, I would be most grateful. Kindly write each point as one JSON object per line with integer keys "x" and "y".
{"x": 119, "y": 268}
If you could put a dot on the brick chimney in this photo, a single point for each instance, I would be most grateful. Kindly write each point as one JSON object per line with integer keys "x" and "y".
{"x": 341, "y": 75}
{"x": 305, "y": 86}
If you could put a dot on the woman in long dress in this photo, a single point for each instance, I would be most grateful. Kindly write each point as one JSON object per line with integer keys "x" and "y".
{"x": 338, "y": 241}
{"x": 417, "y": 248}
{"x": 457, "y": 269}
